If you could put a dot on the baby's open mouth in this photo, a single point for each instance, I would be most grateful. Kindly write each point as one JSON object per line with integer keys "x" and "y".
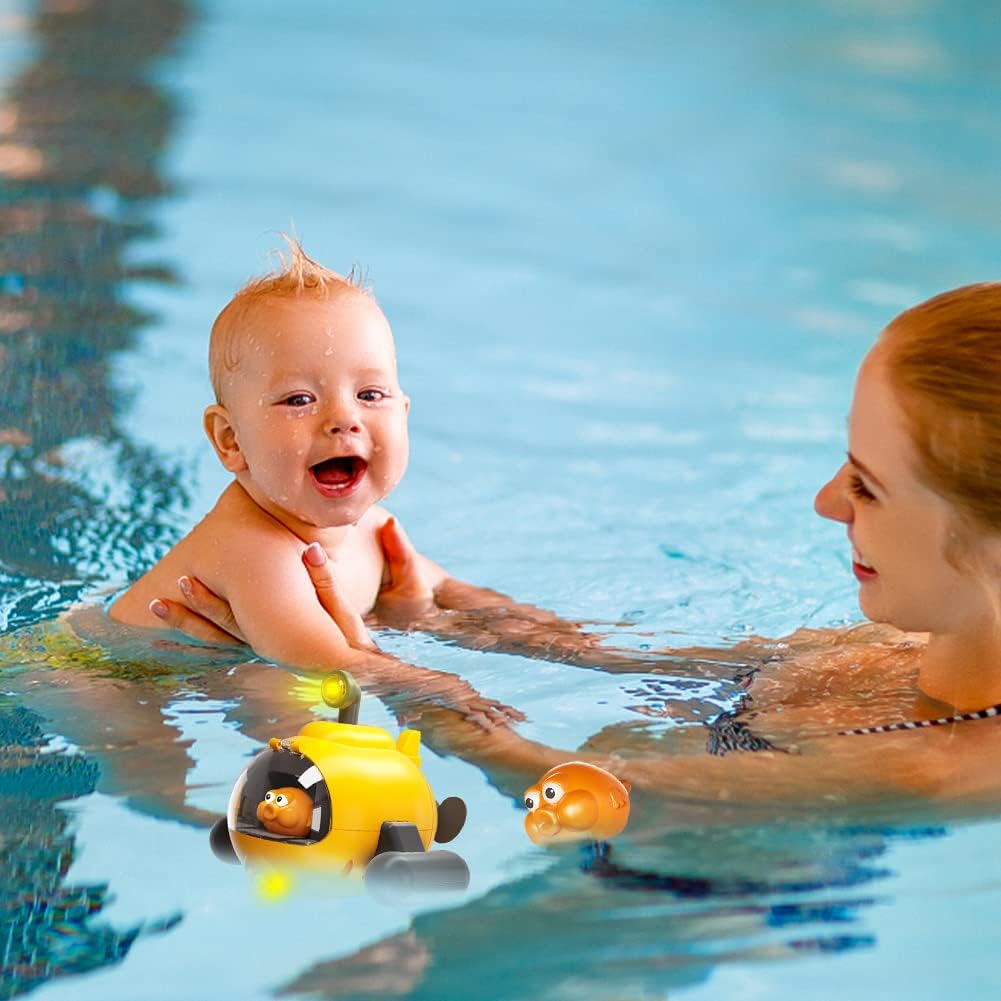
{"x": 340, "y": 475}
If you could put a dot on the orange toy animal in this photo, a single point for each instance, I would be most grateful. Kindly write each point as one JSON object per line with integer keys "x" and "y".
{"x": 575, "y": 801}
{"x": 287, "y": 811}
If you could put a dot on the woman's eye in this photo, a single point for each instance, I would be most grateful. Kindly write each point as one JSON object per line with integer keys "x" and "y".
{"x": 859, "y": 489}
{"x": 299, "y": 400}
{"x": 372, "y": 395}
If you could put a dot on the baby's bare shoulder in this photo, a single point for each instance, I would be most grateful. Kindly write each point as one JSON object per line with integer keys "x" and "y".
{"x": 237, "y": 534}
{"x": 232, "y": 539}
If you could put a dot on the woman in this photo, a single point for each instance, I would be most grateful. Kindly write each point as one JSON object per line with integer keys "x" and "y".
{"x": 905, "y": 708}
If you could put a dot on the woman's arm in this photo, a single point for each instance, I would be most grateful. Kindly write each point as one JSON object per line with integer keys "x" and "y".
{"x": 305, "y": 625}
{"x": 922, "y": 770}
{"x": 421, "y": 595}
{"x": 919, "y": 774}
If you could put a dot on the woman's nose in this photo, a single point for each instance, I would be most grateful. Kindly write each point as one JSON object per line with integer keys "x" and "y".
{"x": 832, "y": 500}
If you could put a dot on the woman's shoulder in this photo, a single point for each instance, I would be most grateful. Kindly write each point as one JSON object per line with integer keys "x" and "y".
{"x": 823, "y": 676}
{"x": 865, "y": 634}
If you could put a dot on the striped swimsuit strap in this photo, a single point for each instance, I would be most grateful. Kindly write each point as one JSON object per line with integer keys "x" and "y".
{"x": 916, "y": 724}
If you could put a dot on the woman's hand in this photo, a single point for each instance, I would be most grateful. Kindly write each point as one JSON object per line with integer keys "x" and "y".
{"x": 347, "y": 619}
{"x": 429, "y": 689}
{"x": 207, "y": 617}
{"x": 409, "y": 595}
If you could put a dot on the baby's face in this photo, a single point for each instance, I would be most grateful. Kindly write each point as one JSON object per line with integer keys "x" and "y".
{"x": 318, "y": 413}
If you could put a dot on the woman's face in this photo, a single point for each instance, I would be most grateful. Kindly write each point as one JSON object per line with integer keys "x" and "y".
{"x": 899, "y": 528}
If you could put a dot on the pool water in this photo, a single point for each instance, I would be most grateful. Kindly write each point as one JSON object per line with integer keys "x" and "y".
{"x": 632, "y": 257}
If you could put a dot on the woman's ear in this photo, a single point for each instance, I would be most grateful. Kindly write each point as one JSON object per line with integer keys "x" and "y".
{"x": 222, "y": 434}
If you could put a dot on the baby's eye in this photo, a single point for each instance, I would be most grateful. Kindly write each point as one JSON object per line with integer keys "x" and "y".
{"x": 299, "y": 400}
{"x": 372, "y": 395}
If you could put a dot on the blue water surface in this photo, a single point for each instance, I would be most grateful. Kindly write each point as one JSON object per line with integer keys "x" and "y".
{"x": 632, "y": 255}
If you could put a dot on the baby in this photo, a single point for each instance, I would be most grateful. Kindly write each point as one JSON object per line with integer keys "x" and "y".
{"x": 311, "y": 421}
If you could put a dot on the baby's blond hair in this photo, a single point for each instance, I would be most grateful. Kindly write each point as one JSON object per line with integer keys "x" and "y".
{"x": 296, "y": 275}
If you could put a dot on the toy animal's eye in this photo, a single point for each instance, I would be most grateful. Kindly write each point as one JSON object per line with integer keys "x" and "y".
{"x": 552, "y": 793}
{"x": 531, "y": 802}
{"x": 281, "y": 799}
{"x": 269, "y": 796}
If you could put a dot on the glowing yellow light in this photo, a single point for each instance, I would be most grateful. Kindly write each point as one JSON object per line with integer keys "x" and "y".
{"x": 273, "y": 886}
{"x": 306, "y": 689}
{"x": 335, "y": 689}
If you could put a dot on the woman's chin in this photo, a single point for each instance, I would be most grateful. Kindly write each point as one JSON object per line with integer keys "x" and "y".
{"x": 871, "y": 608}
{"x": 876, "y": 611}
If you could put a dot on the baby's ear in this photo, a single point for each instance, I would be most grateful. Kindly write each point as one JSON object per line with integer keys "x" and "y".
{"x": 223, "y": 437}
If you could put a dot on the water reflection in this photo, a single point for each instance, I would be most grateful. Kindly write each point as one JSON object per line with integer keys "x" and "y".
{"x": 48, "y": 927}
{"x": 638, "y": 920}
{"x": 82, "y": 131}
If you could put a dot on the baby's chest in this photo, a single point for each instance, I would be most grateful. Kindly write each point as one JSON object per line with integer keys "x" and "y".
{"x": 358, "y": 570}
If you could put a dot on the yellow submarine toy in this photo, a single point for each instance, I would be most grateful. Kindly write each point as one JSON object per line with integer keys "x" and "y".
{"x": 346, "y": 799}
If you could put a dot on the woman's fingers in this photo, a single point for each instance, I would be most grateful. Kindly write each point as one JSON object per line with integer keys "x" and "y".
{"x": 490, "y": 714}
{"x": 404, "y": 566}
{"x": 408, "y": 596}
{"x": 347, "y": 619}
{"x": 176, "y": 616}
{"x": 209, "y": 605}
{"x": 499, "y": 713}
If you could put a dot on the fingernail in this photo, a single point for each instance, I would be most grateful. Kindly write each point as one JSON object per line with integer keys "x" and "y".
{"x": 314, "y": 555}
{"x": 158, "y": 608}
{"x": 184, "y": 583}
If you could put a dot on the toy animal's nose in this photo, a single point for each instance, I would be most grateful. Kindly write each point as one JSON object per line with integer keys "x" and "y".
{"x": 267, "y": 811}
{"x": 545, "y": 823}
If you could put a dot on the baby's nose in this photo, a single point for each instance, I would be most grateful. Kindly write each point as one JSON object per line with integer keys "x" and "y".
{"x": 347, "y": 426}
{"x": 342, "y": 418}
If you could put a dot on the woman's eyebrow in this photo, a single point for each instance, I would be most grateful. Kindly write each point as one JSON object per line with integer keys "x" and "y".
{"x": 863, "y": 468}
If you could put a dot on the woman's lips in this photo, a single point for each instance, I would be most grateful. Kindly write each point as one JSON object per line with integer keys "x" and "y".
{"x": 339, "y": 477}
{"x": 862, "y": 570}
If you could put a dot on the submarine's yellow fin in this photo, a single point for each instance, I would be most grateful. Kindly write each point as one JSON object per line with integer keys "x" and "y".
{"x": 409, "y": 743}
{"x": 350, "y": 734}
